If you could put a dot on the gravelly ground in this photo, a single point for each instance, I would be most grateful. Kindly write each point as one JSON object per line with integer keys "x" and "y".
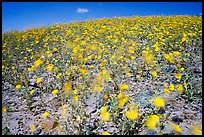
{"x": 20, "y": 117}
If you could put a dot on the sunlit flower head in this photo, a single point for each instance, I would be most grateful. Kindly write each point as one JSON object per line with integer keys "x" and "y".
{"x": 159, "y": 102}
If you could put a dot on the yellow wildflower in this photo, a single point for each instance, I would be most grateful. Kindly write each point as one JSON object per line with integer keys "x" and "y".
{"x": 103, "y": 72}
{"x": 32, "y": 128}
{"x": 38, "y": 63}
{"x": 67, "y": 86}
{"x": 49, "y": 67}
{"x": 103, "y": 108}
{"x": 29, "y": 69}
{"x": 148, "y": 58}
{"x": 93, "y": 47}
{"x": 171, "y": 86}
{"x": 45, "y": 115}
{"x": 54, "y": 92}
{"x": 131, "y": 50}
{"x": 68, "y": 72}
{"x": 132, "y": 114}
{"x": 83, "y": 71}
{"x": 195, "y": 130}
{"x": 182, "y": 69}
{"x": 105, "y": 133}
{"x": 4, "y": 109}
{"x": 166, "y": 90}
{"x": 152, "y": 122}
{"x": 178, "y": 75}
{"x": 123, "y": 87}
{"x": 122, "y": 99}
{"x": 132, "y": 57}
{"x": 159, "y": 102}
{"x": 59, "y": 75}
{"x": 105, "y": 97}
{"x": 98, "y": 88}
{"x": 176, "y": 53}
{"x": 32, "y": 91}
{"x": 75, "y": 91}
{"x": 180, "y": 88}
{"x": 154, "y": 73}
{"x": 18, "y": 86}
{"x": 166, "y": 56}
{"x": 176, "y": 128}
{"x": 104, "y": 114}
{"x": 75, "y": 98}
{"x": 38, "y": 80}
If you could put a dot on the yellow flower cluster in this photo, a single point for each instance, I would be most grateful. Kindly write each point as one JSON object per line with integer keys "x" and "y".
{"x": 104, "y": 114}
{"x": 152, "y": 121}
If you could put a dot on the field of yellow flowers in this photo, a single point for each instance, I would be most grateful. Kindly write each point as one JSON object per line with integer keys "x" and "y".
{"x": 124, "y": 76}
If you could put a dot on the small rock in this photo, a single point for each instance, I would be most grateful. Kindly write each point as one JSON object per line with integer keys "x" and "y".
{"x": 45, "y": 133}
{"x": 161, "y": 111}
{"x": 47, "y": 124}
{"x": 37, "y": 131}
{"x": 151, "y": 132}
{"x": 162, "y": 127}
{"x": 176, "y": 119}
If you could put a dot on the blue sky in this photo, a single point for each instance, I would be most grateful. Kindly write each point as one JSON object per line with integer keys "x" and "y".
{"x": 22, "y": 15}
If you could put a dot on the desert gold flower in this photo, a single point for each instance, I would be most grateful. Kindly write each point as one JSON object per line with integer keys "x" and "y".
{"x": 54, "y": 92}
{"x": 103, "y": 108}
{"x": 38, "y": 80}
{"x": 38, "y": 63}
{"x": 154, "y": 73}
{"x": 105, "y": 97}
{"x": 178, "y": 75}
{"x": 103, "y": 72}
{"x": 176, "y": 53}
{"x": 45, "y": 115}
{"x": 59, "y": 75}
{"x": 166, "y": 90}
{"x": 4, "y": 109}
{"x": 122, "y": 99}
{"x": 171, "y": 87}
{"x": 123, "y": 87}
{"x": 132, "y": 57}
{"x": 75, "y": 92}
{"x": 98, "y": 89}
{"x": 67, "y": 87}
{"x": 180, "y": 88}
{"x": 68, "y": 72}
{"x": 132, "y": 114}
{"x": 93, "y": 47}
{"x": 75, "y": 98}
{"x": 18, "y": 86}
{"x": 32, "y": 91}
{"x": 195, "y": 130}
{"x": 32, "y": 128}
{"x": 152, "y": 122}
{"x": 166, "y": 56}
{"x": 176, "y": 128}
{"x": 104, "y": 114}
{"x": 182, "y": 69}
{"x": 105, "y": 133}
{"x": 83, "y": 71}
{"x": 159, "y": 102}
